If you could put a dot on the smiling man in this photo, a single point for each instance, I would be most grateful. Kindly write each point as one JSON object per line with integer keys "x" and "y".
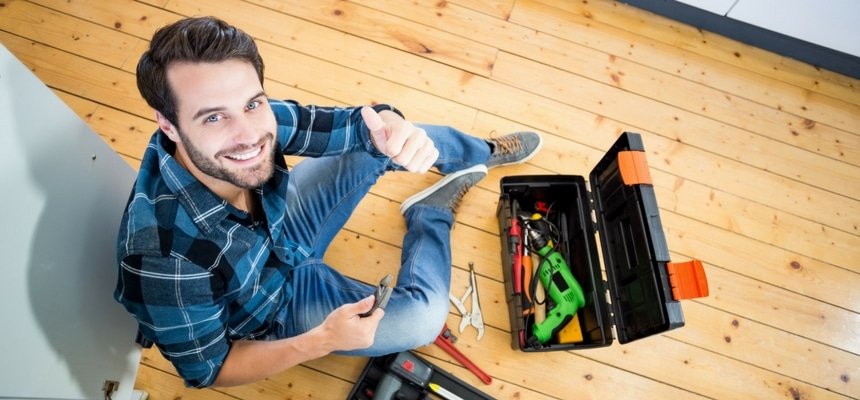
{"x": 220, "y": 248}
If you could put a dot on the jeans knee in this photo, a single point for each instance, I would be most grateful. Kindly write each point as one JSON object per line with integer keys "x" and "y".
{"x": 437, "y": 315}
{"x": 433, "y": 315}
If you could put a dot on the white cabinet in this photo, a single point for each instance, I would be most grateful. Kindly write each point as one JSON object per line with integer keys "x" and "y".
{"x": 63, "y": 335}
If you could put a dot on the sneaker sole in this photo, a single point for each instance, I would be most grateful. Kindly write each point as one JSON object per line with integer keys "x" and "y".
{"x": 526, "y": 158}
{"x": 444, "y": 181}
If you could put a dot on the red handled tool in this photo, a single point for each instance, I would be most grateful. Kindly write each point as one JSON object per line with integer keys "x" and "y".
{"x": 516, "y": 238}
{"x": 446, "y": 340}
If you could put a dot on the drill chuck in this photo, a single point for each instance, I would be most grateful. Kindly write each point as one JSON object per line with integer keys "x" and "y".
{"x": 537, "y": 240}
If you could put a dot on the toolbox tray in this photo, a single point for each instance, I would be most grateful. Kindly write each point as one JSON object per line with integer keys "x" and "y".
{"x": 377, "y": 366}
{"x": 621, "y": 208}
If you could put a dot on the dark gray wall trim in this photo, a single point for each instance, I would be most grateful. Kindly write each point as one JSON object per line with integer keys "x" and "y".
{"x": 811, "y": 53}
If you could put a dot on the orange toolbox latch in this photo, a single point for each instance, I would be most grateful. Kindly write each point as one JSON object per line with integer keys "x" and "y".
{"x": 688, "y": 280}
{"x": 634, "y": 168}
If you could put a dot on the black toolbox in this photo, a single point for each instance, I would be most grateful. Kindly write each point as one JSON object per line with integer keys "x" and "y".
{"x": 407, "y": 376}
{"x": 641, "y": 288}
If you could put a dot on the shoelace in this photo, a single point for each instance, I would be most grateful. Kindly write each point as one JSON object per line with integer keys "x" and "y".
{"x": 507, "y": 145}
{"x": 458, "y": 198}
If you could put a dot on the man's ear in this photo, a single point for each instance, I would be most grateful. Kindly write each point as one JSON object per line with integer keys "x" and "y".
{"x": 167, "y": 127}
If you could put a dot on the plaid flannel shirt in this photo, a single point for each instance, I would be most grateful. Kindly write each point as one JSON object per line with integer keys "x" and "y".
{"x": 196, "y": 272}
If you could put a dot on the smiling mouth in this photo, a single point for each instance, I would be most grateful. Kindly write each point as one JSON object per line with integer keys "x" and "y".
{"x": 246, "y": 155}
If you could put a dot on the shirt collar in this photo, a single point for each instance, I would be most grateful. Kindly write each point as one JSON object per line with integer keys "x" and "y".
{"x": 205, "y": 208}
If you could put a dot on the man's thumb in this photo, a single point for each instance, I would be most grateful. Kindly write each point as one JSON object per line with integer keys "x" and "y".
{"x": 372, "y": 119}
{"x": 364, "y": 305}
{"x": 376, "y": 126}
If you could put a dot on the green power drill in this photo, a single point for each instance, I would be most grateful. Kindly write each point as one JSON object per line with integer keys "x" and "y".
{"x": 560, "y": 285}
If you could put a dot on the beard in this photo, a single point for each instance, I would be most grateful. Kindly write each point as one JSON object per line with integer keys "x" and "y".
{"x": 248, "y": 178}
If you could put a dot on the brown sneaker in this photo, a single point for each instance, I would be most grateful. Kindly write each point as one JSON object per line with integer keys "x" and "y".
{"x": 515, "y": 148}
{"x": 448, "y": 192}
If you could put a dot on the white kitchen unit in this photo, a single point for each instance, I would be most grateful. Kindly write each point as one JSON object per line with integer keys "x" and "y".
{"x": 63, "y": 336}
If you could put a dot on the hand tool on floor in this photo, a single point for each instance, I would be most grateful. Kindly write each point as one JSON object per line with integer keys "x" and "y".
{"x": 473, "y": 317}
{"x": 446, "y": 340}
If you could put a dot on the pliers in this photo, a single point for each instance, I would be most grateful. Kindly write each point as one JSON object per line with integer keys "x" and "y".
{"x": 474, "y": 317}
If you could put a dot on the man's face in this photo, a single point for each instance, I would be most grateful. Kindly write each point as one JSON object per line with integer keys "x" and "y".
{"x": 226, "y": 132}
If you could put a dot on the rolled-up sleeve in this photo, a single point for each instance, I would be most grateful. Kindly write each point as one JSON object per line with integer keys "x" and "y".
{"x": 323, "y": 131}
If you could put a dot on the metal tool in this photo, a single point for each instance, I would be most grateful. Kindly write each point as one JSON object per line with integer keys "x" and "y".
{"x": 381, "y": 296}
{"x": 446, "y": 340}
{"x": 461, "y": 308}
{"x": 473, "y": 317}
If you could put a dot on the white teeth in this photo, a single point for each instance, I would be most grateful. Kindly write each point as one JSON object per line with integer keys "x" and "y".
{"x": 246, "y": 156}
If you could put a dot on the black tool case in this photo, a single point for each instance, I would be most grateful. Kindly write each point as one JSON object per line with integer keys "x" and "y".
{"x": 412, "y": 388}
{"x": 636, "y": 292}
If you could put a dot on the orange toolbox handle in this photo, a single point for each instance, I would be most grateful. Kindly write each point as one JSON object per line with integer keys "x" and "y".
{"x": 634, "y": 168}
{"x": 688, "y": 280}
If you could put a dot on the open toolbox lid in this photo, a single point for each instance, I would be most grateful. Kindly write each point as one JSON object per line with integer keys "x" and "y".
{"x": 644, "y": 286}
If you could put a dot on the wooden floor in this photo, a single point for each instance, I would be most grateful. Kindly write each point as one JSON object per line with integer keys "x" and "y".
{"x": 755, "y": 160}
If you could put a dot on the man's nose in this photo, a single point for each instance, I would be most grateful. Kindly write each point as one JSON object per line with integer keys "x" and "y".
{"x": 245, "y": 131}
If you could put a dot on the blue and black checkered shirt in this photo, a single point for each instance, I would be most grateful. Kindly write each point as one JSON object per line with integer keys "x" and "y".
{"x": 195, "y": 271}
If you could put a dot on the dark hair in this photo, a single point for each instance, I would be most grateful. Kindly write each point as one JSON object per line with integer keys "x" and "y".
{"x": 200, "y": 39}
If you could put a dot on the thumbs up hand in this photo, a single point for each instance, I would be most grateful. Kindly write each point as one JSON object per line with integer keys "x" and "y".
{"x": 407, "y": 145}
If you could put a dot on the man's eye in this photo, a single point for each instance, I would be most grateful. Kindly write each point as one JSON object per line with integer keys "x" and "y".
{"x": 254, "y": 104}
{"x": 213, "y": 118}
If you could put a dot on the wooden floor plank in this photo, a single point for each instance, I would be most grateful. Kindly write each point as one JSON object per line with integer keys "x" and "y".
{"x": 300, "y": 381}
{"x": 74, "y": 74}
{"x": 786, "y": 269}
{"x": 772, "y": 349}
{"x": 642, "y": 113}
{"x": 758, "y": 86}
{"x": 132, "y": 17}
{"x": 716, "y": 47}
{"x": 416, "y": 39}
{"x": 172, "y": 387}
{"x": 70, "y": 34}
{"x": 696, "y": 369}
{"x": 500, "y": 9}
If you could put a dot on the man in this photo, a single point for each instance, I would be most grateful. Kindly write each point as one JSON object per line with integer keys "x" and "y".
{"x": 220, "y": 249}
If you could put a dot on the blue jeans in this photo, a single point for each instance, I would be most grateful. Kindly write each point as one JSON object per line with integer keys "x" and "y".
{"x": 322, "y": 194}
